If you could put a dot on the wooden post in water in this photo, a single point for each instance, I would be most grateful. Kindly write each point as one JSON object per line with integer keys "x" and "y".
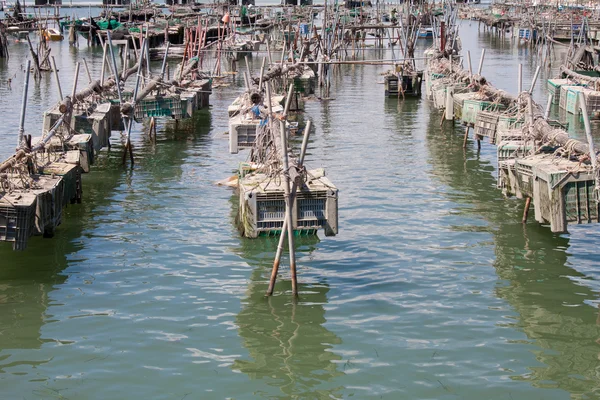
{"x": 526, "y": 210}
{"x": 288, "y": 201}
{"x": 24, "y": 106}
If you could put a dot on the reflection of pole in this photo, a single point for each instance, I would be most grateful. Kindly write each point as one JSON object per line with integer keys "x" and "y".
{"x": 24, "y": 104}
{"x": 285, "y": 221}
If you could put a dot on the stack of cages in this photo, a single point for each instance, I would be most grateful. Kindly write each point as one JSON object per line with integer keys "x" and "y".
{"x": 71, "y": 177}
{"x": 472, "y": 107}
{"x": 262, "y": 206}
{"x": 189, "y": 103}
{"x": 524, "y": 177}
{"x": 573, "y": 105}
{"x": 592, "y": 102}
{"x": 486, "y": 123}
{"x": 49, "y": 203}
{"x": 17, "y": 218}
{"x": 159, "y": 106}
{"x": 459, "y": 101}
{"x": 508, "y": 151}
{"x": 554, "y": 88}
{"x": 391, "y": 85}
{"x": 242, "y": 133}
{"x": 564, "y": 90}
{"x": 563, "y": 191}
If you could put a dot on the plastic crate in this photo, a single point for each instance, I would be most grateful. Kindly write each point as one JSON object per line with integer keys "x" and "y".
{"x": 563, "y": 192}
{"x": 438, "y": 95}
{"x": 509, "y": 135}
{"x": 472, "y": 107}
{"x": 486, "y": 123}
{"x": 592, "y": 101}
{"x": 262, "y": 206}
{"x": 17, "y": 218}
{"x": 563, "y": 95}
{"x": 572, "y": 105}
{"x": 524, "y": 178}
{"x": 525, "y": 34}
{"x": 580, "y": 204}
{"x": 459, "y": 100}
{"x": 511, "y": 150}
{"x": 391, "y": 85}
{"x": 71, "y": 182}
{"x": 49, "y": 204}
{"x": 242, "y": 133}
{"x": 554, "y": 86}
{"x": 159, "y": 106}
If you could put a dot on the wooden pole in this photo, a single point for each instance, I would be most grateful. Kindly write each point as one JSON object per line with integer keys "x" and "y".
{"x": 535, "y": 77}
{"x": 526, "y": 210}
{"x": 60, "y": 94}
{"x": 75, "y": 79}
{"x": 87, "y": 71}
{"x": 481, "y": 62}
{"x": 588, "y": 131}
{"x": 24, "y": 105}
{"x": 466, "y": 137}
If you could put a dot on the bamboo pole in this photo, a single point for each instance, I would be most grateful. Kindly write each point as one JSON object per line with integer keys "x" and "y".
{"x": 60, "y": 94}
{"x": 24, "y": 105}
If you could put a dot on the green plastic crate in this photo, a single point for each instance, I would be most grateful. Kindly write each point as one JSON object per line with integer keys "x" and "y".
{"x": 471, "y": 108}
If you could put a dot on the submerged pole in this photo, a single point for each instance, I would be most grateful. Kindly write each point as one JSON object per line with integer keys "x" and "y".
{"x": 24, "y": 105}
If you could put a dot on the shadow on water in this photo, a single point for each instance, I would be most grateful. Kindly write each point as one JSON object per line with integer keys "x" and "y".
{"x": 289, "y": 348}
{"x": 553, "y": 308}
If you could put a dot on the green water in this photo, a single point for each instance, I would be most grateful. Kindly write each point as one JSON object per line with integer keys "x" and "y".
{"x": 433, "y": 289}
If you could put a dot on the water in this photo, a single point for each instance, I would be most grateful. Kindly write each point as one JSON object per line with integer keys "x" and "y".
{"x": 433, "y": 289}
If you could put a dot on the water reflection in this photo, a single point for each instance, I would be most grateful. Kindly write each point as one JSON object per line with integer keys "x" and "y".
{"x": 27, "y": 279}
{"x": 289, "y": 348}
{"x": 551, "y": 302}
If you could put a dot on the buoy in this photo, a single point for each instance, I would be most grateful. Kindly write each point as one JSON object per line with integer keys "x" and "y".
{"x": 225, "y": 18}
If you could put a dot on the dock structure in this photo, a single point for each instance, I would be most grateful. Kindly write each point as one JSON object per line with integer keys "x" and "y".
{"x": 45, "y": 174}
{"x": 537, "y": 160}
